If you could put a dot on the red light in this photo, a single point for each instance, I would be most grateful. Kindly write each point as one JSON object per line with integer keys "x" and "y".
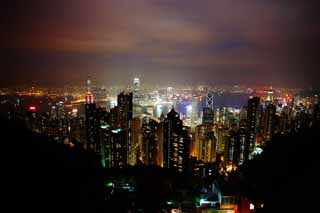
{"x": 32, "y": 108}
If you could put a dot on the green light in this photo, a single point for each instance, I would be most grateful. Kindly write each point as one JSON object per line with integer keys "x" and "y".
{"x": 116, "y": 130}
{"x": 110, "y": 184}
{"x": 197, "y": 200}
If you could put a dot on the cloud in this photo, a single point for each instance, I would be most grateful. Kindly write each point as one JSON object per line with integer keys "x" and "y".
{"x": 279, "y": 37}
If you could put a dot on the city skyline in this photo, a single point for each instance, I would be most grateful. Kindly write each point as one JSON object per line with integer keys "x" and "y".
{"x": 165, "y": 42}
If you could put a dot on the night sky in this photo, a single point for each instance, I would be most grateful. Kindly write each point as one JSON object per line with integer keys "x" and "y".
{"x": 161, "y": 41}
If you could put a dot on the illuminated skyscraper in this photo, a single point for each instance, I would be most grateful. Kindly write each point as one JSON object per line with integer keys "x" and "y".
{"x": 134, "y": 148}
{"x": 221, "y": 135}
{"x": 242, "y": 138}
{"x": 269, "y": 122}
{"x": 106, "y": 146}
{"x": 169, "y": 93}
{"x": 195, "y": 113}
{"x": 253, "y": 105}
{"x": 88, "y": 84}
{"x": 121, "y": 123}
{"x": 270, "y": 96}
{"x": 231, "y": 149}
{"x": 137, "y": 111}
{"x": 209, "y": 101}
{"x": 208, "y": 116}
{"x": 118, "y": 148}
{"x": 92, "y": 124}
{"x": 176, "y": 142}
{"x": 205, "y": 144}
{"x": 149, "y": 141}
{"x": 125, "y": 109}
{"x": 78, "y": 131}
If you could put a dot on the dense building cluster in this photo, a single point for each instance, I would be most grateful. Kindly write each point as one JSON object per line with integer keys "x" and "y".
{"x": 129, "y": 133}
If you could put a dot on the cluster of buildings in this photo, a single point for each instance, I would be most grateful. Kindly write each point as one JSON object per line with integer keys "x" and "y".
{"x": 200, "y": 140}
{"x": 204, "y": 140}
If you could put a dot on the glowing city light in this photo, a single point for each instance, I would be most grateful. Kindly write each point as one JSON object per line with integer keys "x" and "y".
{"x": 32, "y": 108}
{"x": 251, "y": 207}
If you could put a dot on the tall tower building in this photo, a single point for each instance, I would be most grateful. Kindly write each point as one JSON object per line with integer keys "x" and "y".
{"x": 195, "y": 112}
{"x": 92, "y": 124}
{"x": 270, "y": 95}
{"x": 137, "y": 111}
{"x": 176, "y": 142}
{"x": 134, "y": 148}
{"x": 208, "y": 111}
{"x": 269, "y": 122}
{"x": 170, "y": 93}
{"x": 106, "y": 146}
{"x": 125, "y": 107}
{"x": 253, "y": 105}
{"x": 88, "y": 84}
{"x": 121, "y": 121}
{"x": 242, "y": 138}
{"x": 118, "y": 148}
{"x": 205, "y": 143}
{"x": 149, "y": 141}
{"x": 231, "y": 151}
{"x": 209, "y": 100}
{"x": 208, "y": 116}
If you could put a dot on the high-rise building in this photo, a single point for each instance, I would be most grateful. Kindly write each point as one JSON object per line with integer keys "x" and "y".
{"x": 125, "y": 109}
{"x": 231, "y": 151}
{"x": 106, "y": 146}
{"x": 253, "y": 105}
{"x": 208, "y": 116}
{"x": 149, "y": 141}
{"x": 137, "y": 111}
{"x": 88, "y": 84}
{"x": 221, "y": 135}
{"x": 205, "y": 143}
{"x": 92, "y": 124}
{"x": 121, "y": 121}
{"x": 176, "y": 142}
{"x": 242, "y": 138}
{"x": 270, "y": 95}
{"x": 209, "y": 101}
{"x": 195, "y": 112}
{"x": 134, "y": 148}
{"x": 269, "y": 122}
{"x": 119, "y": 148}
{"x": 170, "y": 93}
{"x": 77, "y": 131}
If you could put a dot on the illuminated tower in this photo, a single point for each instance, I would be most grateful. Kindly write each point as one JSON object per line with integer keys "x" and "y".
{"x": 169, "y": 93}
{"x": 125, "y": 107}
{"x": 209, "y": 101}
{"x": 205, "y": 143}
{"x": 242, "y": 138}
{"x": 194, "y": 115}
{"x": 88, "y": 84}
{"x": 118, "y": 143}
{"x": 92, "y": 123}
{"x": 149, "y": 141}
{"x": 253, "y": 105}
{"x": 124, "y": 121}
{"x": 270, "y": 97}
{"x": 176, "y": 142}
{"x": 231, "y": 149}
{"x": 136, "y": 98}
{"x": 134, "y": 148}
{"x": 208, "y": 116}
{"x": 106, "y": 146}
{"x": 269, "y": 122}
